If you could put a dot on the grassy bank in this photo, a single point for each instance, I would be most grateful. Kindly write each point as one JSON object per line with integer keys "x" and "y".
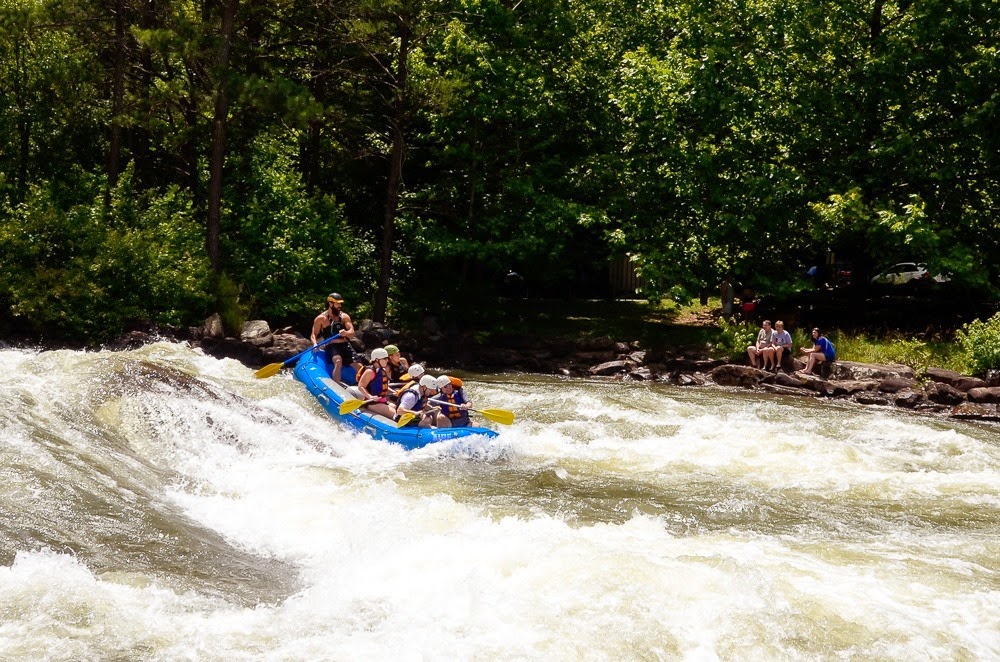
{"x": 697, "y": 328}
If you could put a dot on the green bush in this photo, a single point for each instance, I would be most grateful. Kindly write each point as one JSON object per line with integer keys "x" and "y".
{"x": 980, "y": 342}
{"x": 75, "y": 270}
{"x": 734, "y": 339}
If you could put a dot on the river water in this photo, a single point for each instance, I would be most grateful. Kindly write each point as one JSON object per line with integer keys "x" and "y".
{"x": 161, "y": 505}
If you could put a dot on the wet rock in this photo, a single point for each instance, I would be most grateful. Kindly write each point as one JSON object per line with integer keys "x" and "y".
{"x": 231, "y": 348}
{"x": 610, "y": 367}
{"x": 985, "y": 394}
{"x": 993, "y": 377}
{"x": 852, "y": 371}
{"x": 943, "y": 393}
{"x": 789, "y": 390}
{"x": 130, "y": 340}
{"x": 908, "y": 399}
{"x": 622, "y": 348}
{"x": 896, "y": 384}
{"x": 685, "y": 379}
{"x": 638, "y": 357}
{"x": 838, "y": 388}
{"x": 642, "y": 374}
{"x": 957, "y": 380}
{"x": 869, "y": 398}
{"x": 737, "y": 375}
{"x": 788, "y": 381}
{"x": 976, "y": 412}
{"x": 931, "y": 408}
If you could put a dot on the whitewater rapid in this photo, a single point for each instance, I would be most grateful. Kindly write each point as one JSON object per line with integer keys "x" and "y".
{"x": 160, "y": 504}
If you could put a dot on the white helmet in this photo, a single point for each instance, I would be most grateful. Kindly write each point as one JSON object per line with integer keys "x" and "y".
{"x": 379, "y": 353}
{"x": 415, "y": 371}
{"x": 428, "y": 381}
{"x": 442, "y": 381}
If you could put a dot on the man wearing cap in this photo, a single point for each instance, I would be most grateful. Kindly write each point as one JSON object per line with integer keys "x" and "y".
{"x": 414, "y": 401}
{"x": 330, "y": 322}
{"x": 398, "y": 366}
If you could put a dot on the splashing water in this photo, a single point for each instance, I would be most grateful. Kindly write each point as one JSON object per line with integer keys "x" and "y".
{"x": 161, "y": 504}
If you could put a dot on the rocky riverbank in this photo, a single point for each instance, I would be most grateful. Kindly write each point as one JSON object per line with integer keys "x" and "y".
{"x": 938, "y": 392}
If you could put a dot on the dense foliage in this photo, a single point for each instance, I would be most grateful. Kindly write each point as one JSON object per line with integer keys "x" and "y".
{"x": 163, "y": 159}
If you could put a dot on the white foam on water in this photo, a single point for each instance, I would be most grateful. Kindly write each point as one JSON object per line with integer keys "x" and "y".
{"x": 393, "y": 568}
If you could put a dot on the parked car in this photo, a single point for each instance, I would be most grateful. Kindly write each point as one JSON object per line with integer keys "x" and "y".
{"x": 905, "y": 272}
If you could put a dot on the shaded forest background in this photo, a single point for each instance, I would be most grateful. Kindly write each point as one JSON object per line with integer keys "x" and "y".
{"x": 164, "y": 159}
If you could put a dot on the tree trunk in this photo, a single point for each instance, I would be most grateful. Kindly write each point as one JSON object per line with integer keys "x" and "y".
{"x": 217, "y": 155}
{"x": 117, "y": 94}
{"x": 395, "y": 177}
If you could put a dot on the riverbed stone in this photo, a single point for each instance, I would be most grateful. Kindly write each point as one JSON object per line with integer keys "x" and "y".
{"x": 778, "y": 389}
{"x": 943, "y": 393}
{"x": 737, "y": 375}
{"x": 976, "y": 411}
{"x": 871, "y": 398}
{"x": 895, "y": 384}
{"x": 909, "y": 399}
{"x": 852, "y": 371}
{"x": 840, "y": 388}
{"x": 962, "y": 382}
{"x": 985, "y": 394}
{"x": 212, "y": 327}
{"x": 610, "y": 367}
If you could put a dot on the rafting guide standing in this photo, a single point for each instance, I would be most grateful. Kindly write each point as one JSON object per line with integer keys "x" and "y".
{"x": 330, "y": 322}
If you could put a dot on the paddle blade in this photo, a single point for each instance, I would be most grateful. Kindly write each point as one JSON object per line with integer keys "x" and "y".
{"x": 404, "y": 419}
{"x": 269, "y": 370}
{"x": 347, "y": 406}
{"x": 501, "y": 416}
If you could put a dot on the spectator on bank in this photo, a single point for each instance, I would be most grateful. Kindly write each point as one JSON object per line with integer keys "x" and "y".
{"x": 781, "y": 344}
{"x": 748, "y": 304}
{"x": 758, "y": 349}
{"x": 821, "y": 351}
{"x": 728, "y": 295}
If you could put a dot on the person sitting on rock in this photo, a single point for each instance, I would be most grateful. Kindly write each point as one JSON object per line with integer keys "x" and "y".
{"x": 821, "y": 351}
{"x": 781, "y": 344}
{"x": 756, "y": 350}
{"x": 374, "y": 385}
{"x": 457, "y": 410}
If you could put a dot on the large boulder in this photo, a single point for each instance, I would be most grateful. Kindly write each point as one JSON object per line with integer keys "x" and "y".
{"x": 976, "y": 411}
{"x": 212, "y": 327}
{"x": 853, "y": 371}
{"x": 985, "y": 395}
{"x": 896, "y": 384}
{"x": 956, "y": 379}
{"x": 257, "y": 333}
{"x": 737, "y": 375}
{"x": 610, "y": 367}
{"x": 944, "y": 394}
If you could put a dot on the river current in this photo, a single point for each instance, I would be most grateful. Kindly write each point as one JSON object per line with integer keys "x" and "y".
{"x": 160, "y": 504}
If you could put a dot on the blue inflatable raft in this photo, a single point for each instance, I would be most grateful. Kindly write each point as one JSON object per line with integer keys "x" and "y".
{"x": 314, "y": 369}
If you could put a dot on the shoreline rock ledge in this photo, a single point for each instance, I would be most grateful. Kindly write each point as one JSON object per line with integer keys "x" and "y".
{"x": 938, "y": 391}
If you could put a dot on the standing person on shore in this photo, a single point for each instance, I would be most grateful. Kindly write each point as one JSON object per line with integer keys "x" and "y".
{"x": 728, "y": 295}
{"x": 757, "y": 350}
{"x": 781, "y": 344}
{"x": 330, "y": 322}
{"x": 821, "y": 351}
